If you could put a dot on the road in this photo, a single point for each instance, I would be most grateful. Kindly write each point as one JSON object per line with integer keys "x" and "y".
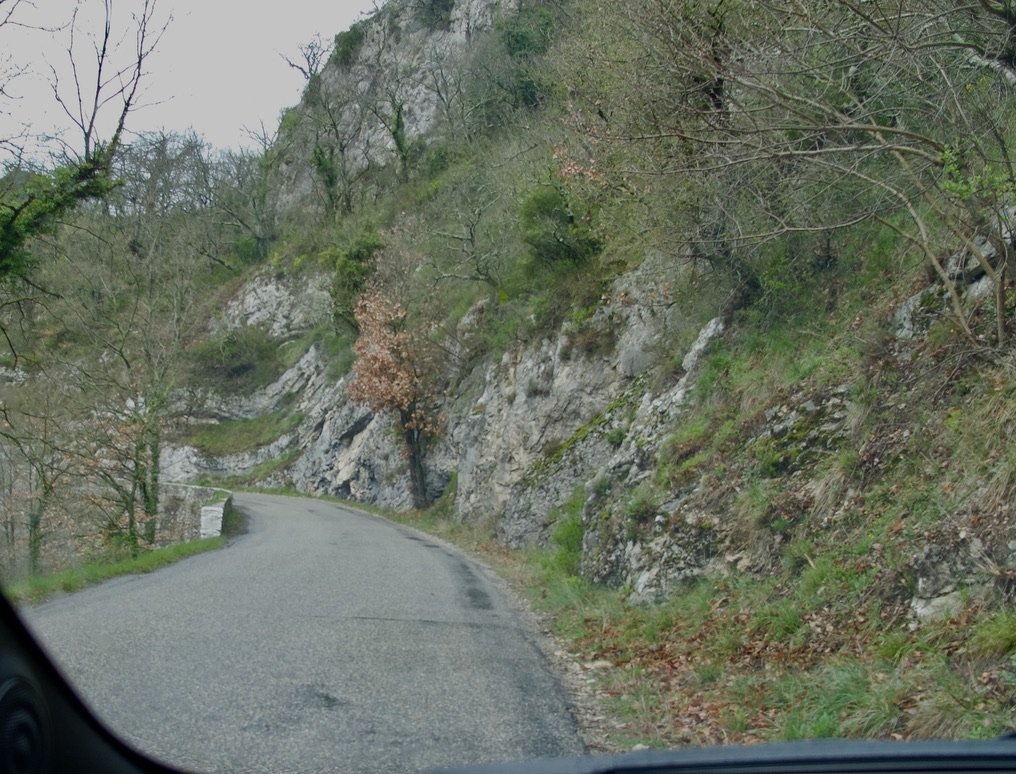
{"x": 324, "y": 639}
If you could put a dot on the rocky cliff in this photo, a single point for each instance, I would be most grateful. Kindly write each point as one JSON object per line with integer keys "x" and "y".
{"x": 552, "y": 425}
{"x": 389, "y": 82}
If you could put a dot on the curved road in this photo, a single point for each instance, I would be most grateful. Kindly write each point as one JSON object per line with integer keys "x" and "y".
{"x": 322, "y": 640}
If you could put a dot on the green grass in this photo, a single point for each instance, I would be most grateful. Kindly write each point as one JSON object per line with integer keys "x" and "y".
{"x": 239, "y": 435}
{"x": 220, "y": 496}
{"x": 996, "y": 635}
{"x": 566, "y": 536}
{"x": 258, "y": 473}
{"x": 845, "y": 698}
{"x": 39, "y": 588}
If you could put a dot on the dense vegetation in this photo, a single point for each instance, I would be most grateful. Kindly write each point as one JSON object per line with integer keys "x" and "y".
{"x": 798, "y": 170}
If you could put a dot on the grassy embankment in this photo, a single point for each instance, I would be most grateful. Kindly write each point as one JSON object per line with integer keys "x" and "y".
{"x": 36, "y": 589}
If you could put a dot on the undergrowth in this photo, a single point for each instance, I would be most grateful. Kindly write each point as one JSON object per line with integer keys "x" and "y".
{"x": 38, "y": 588}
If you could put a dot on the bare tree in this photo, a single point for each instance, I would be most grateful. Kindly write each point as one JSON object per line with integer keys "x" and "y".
{"x": 96, "y": 92}
{"x": 246, "y": 192}
{"x": 100, "y": 82}
{"x": 313, "y": 55}
{"x": 387, "y": 95}
{"x": 127, "y": 281}
{"x": 35, "y": 436}
{"x": 797, "y": 119}
{"x": 474, "y": 246}
{"x": 11, "y": 23}
{"x": 444, "y": 75}
{"x": 340, "y": 146}
{"x": 341, "y": 152}
{"x": 103, "y": 83}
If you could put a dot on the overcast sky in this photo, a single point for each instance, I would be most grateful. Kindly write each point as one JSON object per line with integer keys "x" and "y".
{"x": 217, "y": 69}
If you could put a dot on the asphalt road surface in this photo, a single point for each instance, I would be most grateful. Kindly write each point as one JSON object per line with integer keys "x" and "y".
{"x": 322, "y": 640}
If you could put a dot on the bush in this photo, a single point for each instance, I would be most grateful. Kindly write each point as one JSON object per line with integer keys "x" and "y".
{"x": 527, "y": 33}
{"x": 642, "y": 507}
{"x": 435, "y": 14}
{"x": 353, "y": 268}
{"x": 566, "y": 537}
{"x": 237, "y": 361}
{"x": 525, "y": 36}
{"x": 507, "y": 67}
{"x": 247, "y": 251}
{"x": 553, "y": 232}
{"x": 348, "y": 44}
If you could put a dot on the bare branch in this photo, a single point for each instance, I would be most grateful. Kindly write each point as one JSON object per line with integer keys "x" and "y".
{"x": 312, "y": 56}
{"x": 109, "y": 81}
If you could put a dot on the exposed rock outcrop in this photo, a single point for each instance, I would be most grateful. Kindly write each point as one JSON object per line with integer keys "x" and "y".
{"x": 546, "y": 418}
{"x": 277, "y": 304}
{"x": 397, "y": 59}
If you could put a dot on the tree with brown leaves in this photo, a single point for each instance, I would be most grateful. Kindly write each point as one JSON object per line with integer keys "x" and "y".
{"x": 393, "y": 374}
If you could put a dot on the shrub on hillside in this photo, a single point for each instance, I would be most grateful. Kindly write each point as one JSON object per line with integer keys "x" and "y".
{"x": 552, "y": 229}
{"x": 348, "y": 44}
{"x": 353, "y": 267}
{"x": 237, "y": 361}
{"x": 435, "y": 14}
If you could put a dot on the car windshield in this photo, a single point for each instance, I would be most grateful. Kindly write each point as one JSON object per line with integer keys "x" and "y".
{"x": 477, "y": 381}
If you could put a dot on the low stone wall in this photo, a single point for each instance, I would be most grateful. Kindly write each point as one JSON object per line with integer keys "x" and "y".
{"x": 189, "y": 512}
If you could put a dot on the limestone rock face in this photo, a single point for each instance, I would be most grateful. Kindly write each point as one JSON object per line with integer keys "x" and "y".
{"x": 284, "y": 307}
{"x": 533, "y": 431}
{"x": 339, "y": 448}
{"x": 533, "y": 401}
{"x": 538, "y": 430}
{"x": 573, "y": 421}
{"x": 400, "y": 58}
{"x": 352, "y": 453}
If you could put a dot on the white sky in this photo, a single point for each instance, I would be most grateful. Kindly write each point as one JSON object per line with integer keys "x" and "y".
{"x": 217, "y": 69}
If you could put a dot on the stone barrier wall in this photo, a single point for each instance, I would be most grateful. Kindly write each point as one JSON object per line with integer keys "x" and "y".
{"x": 189, "y": 512}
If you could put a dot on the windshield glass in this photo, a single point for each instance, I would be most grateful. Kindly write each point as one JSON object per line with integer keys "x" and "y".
{"x": 545, "y": 378}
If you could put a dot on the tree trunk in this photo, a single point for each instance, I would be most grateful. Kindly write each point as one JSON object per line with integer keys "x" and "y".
{"x": 36, "y": 513}
{"x": 35, "y": 535}
{"x": 1001, "y": 329}
{"x": 151, "y": 483}
{"x": 414, "y": 450}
